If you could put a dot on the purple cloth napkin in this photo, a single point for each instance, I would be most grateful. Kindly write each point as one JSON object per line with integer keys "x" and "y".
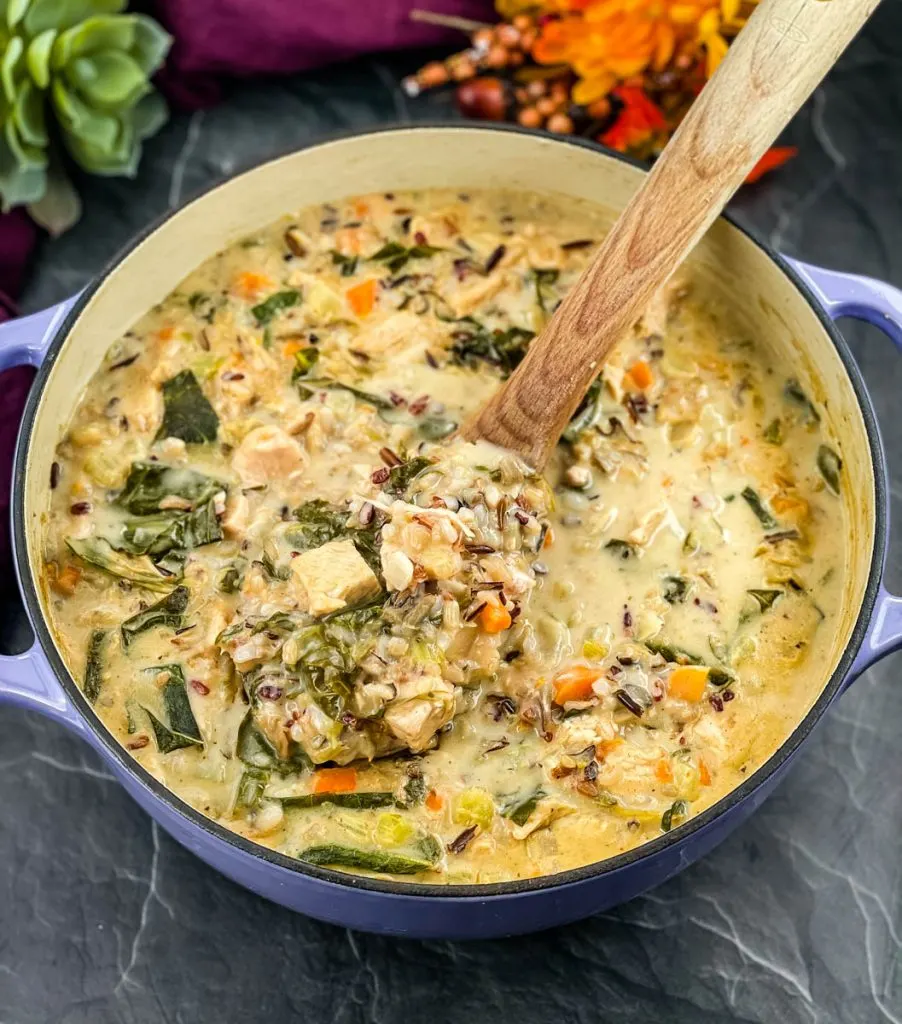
{"x": 246, "y": 37}
{"x": 214, "y": 39}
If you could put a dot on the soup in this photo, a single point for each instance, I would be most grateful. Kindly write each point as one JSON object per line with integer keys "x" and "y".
{"x": 323, "y": 621}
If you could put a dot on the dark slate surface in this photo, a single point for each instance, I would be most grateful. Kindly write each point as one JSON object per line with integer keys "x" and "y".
{"x": 796, "y": 918}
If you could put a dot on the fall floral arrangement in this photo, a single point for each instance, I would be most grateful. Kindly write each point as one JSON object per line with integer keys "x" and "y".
{"x": 622, "y": 72}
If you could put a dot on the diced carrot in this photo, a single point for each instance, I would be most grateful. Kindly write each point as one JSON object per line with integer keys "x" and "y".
{"x": 433, "y": 801}
{"x": 335, "y": 780}
{"x": 607, "y": 747}
{"x": 641, "y": 376}
{"x": 704, "y": 773}
{"x": 166, "y": 333}
{"x": 663, "y": 771}
{"x": 361, "y": 208}
{"x": 549, "y": 538}
{"x": 688, "y": 682}
{"x": 249, "y": 284}
{"x": 495, "y": 618}
{"x": 291, "y": 348}
{"x": 362, "y": 297}
{"x": 574, "y": 683}
{"x": 790, "y": 504}
{"x": 67, "y": 580}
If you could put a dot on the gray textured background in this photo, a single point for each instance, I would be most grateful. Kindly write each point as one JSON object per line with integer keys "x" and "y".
{"x": 796, "y": 918}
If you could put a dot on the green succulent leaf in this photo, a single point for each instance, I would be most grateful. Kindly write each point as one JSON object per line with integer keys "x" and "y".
{"x": 108, "y": 81}
{"x": 8, "y": 67}
{"x": 28, "y": 115}
{"x": 15, "y": 11}
{"x": 149, "y": 115}
{"x": 79, "y": 120}
{"x": 63, "y": 14}
{"x": 60, "y": 206}
{"x": 105, "y": 32}
{"x": 37, "y": 57}
{"x": 151, "y": 44}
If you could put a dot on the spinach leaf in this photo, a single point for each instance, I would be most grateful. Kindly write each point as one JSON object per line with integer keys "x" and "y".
{"x": 773, "y": 432}
{"x": 318, "y": 523}
{"x": 166, "y": 612}
{"x": 251, "y": 788}
{"x": 181, "y": 730}
{"x": 357, "y": 801}
{"x": 230, "y": 579}
{"x": 829, "y": 465}
{"x": 518, "y": 811}
{"x": 765, "y": 516}
{"x": 670, "y": 652}
{"x": 401, "y": 477}
{"x": 622, "y": 549}
{"x": 543, "y": 279}
{"x": 171, "y": 531}
{"x": 149, "y": 483}
{"x": 100, "y": 554}
{"x": 307, "y": 382}
{"x": 94, "y": 665}
{"x": 477, "y": 344}
{"x": 370, "y": 860}
{"x": 324, "y": 664}
{"x": 674, "y": 815}
{"x": 264, "y": 311}
{"x": 414, "y": 790}
{"x": 675, "y": 589}
{"x": 255, "y": 750}
{"x": 764, "y": 599}
{"x": 793, "y": 392}
{"x": 586, "y": 415}
{"x": 348, "y": 264}
{"x": 395, "y": 256}
{"x": 187, "y": 414}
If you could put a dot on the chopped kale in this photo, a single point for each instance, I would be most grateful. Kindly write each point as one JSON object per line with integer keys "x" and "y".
{"x": 149, "y": 483}
{"x": 100, "y": 554}
{"x": 395, "y": 256}
{"x": 793, "y": 392}
{"x": 307, "y": 383}
{"x": 355, "y": 801}
{"x": 765, "y": 516}
{"x": 586, "y": 415}
{"x": 251, "y": 788}
{"x": 670, "y": 652}
{"x": 675, "y": 589}
{"x": 166, "y": 612}
{"x": 401, "y": 477}
{"x": 348, "y": 264}
{"x": 181, "y": 729}
{"x": 94, "y": 664}
{"x": 543, "y": 279}
{"x": 674, "y": 815}
{"x": 187, "y": 414}
{"x": 318, "y": 523}
{"x": 829, "y": 465}
{"x": 369, "y": 860}
{"x": 474, "y": 344}
{"x": 265, "y": 311}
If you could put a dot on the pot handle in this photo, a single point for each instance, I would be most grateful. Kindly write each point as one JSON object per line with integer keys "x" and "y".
{"x": 26, "y": 679}
{"x": 879, "y": 304}
{"x": 24, "y": 341}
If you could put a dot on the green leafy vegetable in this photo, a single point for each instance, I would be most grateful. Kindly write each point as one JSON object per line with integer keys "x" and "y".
{"x": 264, "y": 311}
{"x": 251, "y": 788}
{"x": 255, "y": 750}
{"x": 181, "y": 729}
{"x": 187, "y": 414}
{"x": 369, "y": 860}
{"x": 765, "y": 516}
{"x": 149, "y": 483}
{"x": 357, "y": 801}
{"x": 720, "y": 676}
{"x": 475, "y": 344}
{"x": 318, "y": 523}
{"x": 348, "y": 264}
{"x": 518, "y": 811}
{"x": 764, "y": 599}
{"x": 324, "y": 663}
{"x": 544, "y": 278}
{"x": 675, "y": 589}
{"x": 307, "y": 382}
{"x": 414, "y": 790}
{"x": 94, "y": 664}
{"x": 230, "y": 579}
{"x": 773, "y": 432}
{"x": 166, "y": 612}
{"x": 99, "y": 554}
{"x": 793, "y": 392}
{"x": 674, "y": 815}
{"x": 586, "y": 415}
{"x": 621, "y": 549}
{"x": 829, "y": 465}
{"x": 670, "y": 652}
{"x": 401, "y": 477}
{"x": 395, "y": 256}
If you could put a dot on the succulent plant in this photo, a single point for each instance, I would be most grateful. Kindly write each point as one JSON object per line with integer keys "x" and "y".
{"x": 75, "y": 72}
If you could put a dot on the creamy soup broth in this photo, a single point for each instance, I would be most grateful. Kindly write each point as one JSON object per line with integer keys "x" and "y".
{"x": 325, "y": 623}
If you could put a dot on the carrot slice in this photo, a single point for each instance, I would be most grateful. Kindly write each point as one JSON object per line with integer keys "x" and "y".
{"x": 549, "y": 538}
{"x": 166, "y": 333}
{"x": 641, "y": 376}
{"x": 433, "y": 801}
{"x": 704, "y": 773}
{"x": 335, "y": 780}
{"x": 663, "y": 771}
{"x": 495, "y": 618}
{"x": 66, "y": 582}
{"x": 362, "y": 297}
{"x": 575, "y": 683}
{"x": 361, "y": 208}
{"x": 294, "y": 346}
{"x": 688, "y": 682}
{"x": 250, "y": 284}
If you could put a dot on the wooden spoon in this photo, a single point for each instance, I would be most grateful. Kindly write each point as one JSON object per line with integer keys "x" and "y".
{"x": 776, "y": 61}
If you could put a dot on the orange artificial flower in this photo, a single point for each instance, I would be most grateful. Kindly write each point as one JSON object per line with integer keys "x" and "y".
{"x": 639, "y": 120}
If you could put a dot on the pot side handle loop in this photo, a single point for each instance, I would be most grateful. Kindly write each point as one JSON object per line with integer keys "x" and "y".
{"x": 879, "y": 304}
{"x": 24, "y": 341}
{"x": 26, "y": 679}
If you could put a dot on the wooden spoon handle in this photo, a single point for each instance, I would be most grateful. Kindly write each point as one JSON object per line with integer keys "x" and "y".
{"x": 776, "y": 61}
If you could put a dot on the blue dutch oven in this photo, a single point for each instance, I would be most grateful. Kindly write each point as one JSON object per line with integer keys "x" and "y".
{"x": 792, "y": 304}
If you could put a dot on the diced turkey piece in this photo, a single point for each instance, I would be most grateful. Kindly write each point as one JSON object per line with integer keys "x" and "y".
{"x": 334, "y": 576}
{"x": 401, "y": 332}
{"x": 423, "y": 705}
{"x": 267, "y": 453}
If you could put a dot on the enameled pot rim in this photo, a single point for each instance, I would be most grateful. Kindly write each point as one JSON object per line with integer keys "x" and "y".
{"x": 218, "y": 832}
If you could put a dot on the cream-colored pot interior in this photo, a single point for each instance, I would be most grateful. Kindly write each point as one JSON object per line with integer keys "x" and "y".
{"x": 464, "y": 158}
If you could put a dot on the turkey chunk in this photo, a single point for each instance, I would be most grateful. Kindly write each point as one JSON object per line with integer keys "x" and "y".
{"x": 333, "y": 576}
{"x": 267, "y": 453}
{"x": 399, "y": 333}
